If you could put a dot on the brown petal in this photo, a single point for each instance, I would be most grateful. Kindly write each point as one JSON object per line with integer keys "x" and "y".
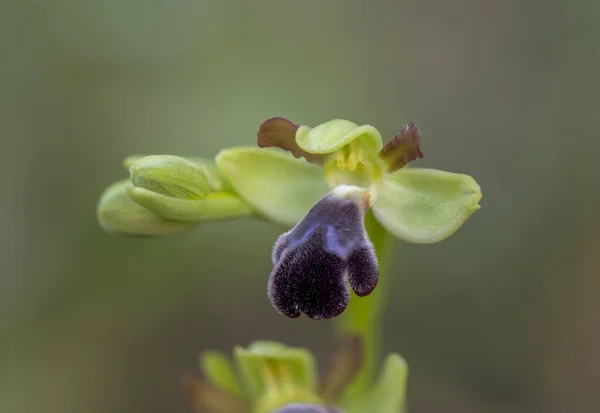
{"x": 206, "y": 398}
{"x": 344, "y": 365}
{"x": 281, "y": 133}
{"x": 404, "y": 148}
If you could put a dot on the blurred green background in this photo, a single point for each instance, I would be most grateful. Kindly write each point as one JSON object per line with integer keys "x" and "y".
{"x": 502, "y": 317}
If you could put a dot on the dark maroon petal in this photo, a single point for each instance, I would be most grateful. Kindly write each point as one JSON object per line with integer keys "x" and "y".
{"x": 362, "y": 270}
{"x": 281, "y": 133}
{"x": 311, "y": 280}
{"x": 403, "y": 149}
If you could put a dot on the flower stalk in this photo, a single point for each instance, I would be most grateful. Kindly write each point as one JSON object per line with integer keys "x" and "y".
{"x": 363, "y": 316}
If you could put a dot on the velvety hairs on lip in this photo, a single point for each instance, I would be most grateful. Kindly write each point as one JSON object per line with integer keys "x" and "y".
{"x": 314, "y": 261}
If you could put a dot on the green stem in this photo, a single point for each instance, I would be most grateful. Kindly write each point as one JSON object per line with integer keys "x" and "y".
{"x": 364, "y": 314}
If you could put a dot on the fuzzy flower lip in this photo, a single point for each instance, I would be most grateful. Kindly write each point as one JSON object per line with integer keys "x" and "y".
{"x": 316, "y": 260}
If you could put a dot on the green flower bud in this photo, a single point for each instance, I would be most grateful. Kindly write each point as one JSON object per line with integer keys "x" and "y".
{"x": 170, "y": 176}
{"x": 117, "y": 213}
{"x": 215, "y": 180}
{"x": 179, "y": 189}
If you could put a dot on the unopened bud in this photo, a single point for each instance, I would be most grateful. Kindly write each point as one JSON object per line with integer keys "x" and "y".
{"x": 170, "y": 176}
{"x": 118, "y": 213}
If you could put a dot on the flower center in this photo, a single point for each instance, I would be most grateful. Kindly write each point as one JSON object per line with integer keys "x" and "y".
{"x": 351, "y": 165}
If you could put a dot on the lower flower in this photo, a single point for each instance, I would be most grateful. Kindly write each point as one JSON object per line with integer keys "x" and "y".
{"x": 274, "y": 378}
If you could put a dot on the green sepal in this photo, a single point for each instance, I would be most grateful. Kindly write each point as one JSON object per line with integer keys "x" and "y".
{"x": 425, "y": 205}
{"x": 280, "y": 187}
{"x": 215, "y": 207}
{"x": 388, "y": 394}
{"x": 289, "y": 366}
{"x": 218, "y": 370}
{"x": 335, "y": 134}
{"x": 118, "y": 213}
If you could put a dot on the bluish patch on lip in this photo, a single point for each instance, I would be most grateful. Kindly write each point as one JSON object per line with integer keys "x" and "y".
{"x": 333, "y": 244}
{"x": 294, "y": 242}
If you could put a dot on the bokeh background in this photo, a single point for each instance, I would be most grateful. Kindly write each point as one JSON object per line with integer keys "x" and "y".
{"x": 502, "y": 317}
